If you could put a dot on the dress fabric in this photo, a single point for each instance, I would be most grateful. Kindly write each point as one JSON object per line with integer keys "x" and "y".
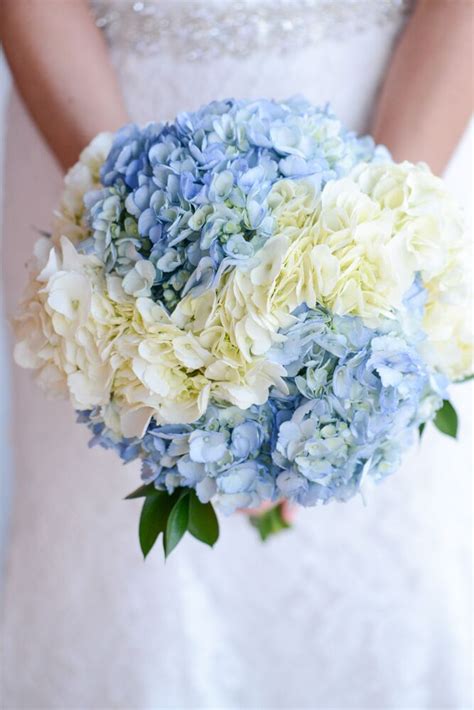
{"x": 360, "y": 606}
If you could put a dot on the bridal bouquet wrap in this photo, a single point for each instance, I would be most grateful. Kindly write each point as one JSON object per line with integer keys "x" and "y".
{"x": 255, "y": 303}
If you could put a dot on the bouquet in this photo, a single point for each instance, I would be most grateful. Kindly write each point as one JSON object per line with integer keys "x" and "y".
{"x": 257, "y": 304}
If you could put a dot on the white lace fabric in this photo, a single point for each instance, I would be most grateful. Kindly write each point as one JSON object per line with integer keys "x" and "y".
{"x": 173, "y": 55}
{"x": 198, "y": 30}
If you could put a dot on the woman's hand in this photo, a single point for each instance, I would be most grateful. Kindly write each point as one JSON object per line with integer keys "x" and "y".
{"x": 61, "y": 67}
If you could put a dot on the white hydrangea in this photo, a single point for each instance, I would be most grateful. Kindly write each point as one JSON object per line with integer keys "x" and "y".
{"x": 356, "y": 249}
{"x": 63, "y": 330}
{"x": 81, "y": 178}
{"x": 89, "y": 340}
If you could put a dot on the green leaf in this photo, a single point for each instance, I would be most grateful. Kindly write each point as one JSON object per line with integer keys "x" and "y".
{"x": 464, "y": 379}
{"x": 177, "y": 523}
{"x": 142, "y": 492}
{"x": 421, "y": 429}
{"x": 202, "y": 523}
{"x": 446, "y": 419}
{"x": 154, "y": 517}
{"x": 269, "y": 522}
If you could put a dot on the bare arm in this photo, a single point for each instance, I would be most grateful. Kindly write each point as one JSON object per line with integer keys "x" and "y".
{"x": 426, "y": 99}
{"x": 61, "y": 67}
{"x": 60, "y": 64}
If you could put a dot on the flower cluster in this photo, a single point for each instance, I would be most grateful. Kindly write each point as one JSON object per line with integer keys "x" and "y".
{"x": 364, "y": 395}
{"x": 225, "y": 455}
{"x": 356, "y": 397}
{"x": 183, "y": 202}
{"x": 252, "y": 301}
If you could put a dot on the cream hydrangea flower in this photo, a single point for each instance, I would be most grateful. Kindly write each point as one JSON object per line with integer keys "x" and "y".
{"x": 64, "y": 329}
{"x": 90, "y": 340}
{"x": 430, "y": 223}
{"x": 356, "y": 250}
{"x": 170, "y": 372}
{"x": 449, "y": 343}
{"x": 81, "y": 178}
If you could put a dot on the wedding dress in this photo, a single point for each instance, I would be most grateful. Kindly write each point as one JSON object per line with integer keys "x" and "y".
{"x": 360, "y": 606}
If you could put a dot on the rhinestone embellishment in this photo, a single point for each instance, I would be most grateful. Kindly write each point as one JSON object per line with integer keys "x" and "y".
{"x": 197, "y": 30}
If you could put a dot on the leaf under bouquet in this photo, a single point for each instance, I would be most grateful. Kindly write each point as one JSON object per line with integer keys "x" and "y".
{"x": 254, "y": 302}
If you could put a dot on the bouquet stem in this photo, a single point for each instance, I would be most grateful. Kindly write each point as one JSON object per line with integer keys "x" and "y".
{"x": 271, "y": 521}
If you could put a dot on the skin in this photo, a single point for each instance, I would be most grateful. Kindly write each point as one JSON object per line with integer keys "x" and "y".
{"x": 426, "y": 98}
{"x": 424, "y": 106}
{"x": 423, "y": 109}
{"x": 72, "y": 94}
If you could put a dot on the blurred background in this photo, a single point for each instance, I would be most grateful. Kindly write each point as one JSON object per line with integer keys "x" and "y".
{"x": 5, "y": 467}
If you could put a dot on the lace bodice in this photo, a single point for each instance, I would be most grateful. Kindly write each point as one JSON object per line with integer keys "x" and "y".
{"x": 173, "y": 55}
{"x": 197, "y": 29}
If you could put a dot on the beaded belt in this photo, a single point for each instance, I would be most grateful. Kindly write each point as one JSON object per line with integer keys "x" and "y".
{"x": 208, "y": 29}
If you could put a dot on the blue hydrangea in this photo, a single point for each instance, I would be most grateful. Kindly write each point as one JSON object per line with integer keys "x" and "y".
{"x": 191, "y": 196}
{"x": 183, "y": 202}
{"x": 225, "y": 455}
{"x": 356, "y": 398}
{"x": 364, "y": 393}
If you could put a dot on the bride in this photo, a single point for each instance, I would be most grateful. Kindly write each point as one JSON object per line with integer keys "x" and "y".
{"x": 357, "y": 607}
